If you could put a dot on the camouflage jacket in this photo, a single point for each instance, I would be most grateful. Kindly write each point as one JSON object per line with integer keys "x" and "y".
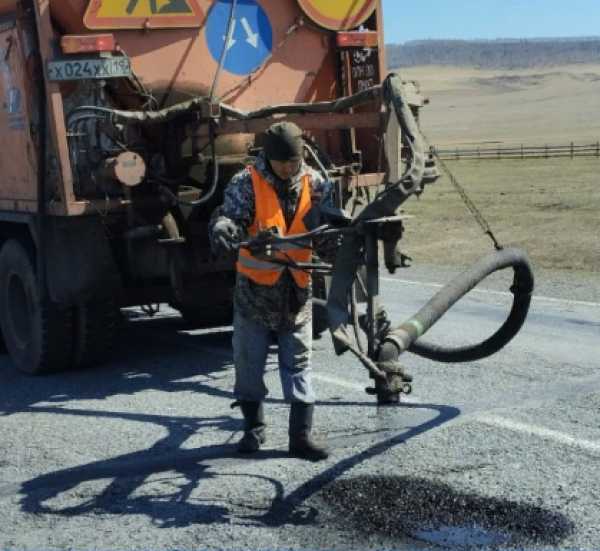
{"x": 284, "y": 305}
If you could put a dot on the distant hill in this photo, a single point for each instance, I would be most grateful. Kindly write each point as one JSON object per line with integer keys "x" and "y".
{"x": 495, "y": 54}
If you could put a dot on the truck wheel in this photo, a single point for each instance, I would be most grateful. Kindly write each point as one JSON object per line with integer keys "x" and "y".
{"x": 38, "y": 334}
{"x": 95, "y": 328}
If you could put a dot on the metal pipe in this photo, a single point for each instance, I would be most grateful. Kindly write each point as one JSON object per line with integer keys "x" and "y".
{"x": 215, "y": 170}
{"x": 372, "y": 262}
{"x": 317, "y": 161}
{"x": 370, "y": 94}
{"x": 199, "y": 103}
{"x": 224, "y": 51}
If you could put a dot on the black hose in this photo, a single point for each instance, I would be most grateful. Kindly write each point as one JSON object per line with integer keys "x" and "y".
{"x": 215, "y": 169}
{"x": 334, "y": 106}
{"x": 144, "y": 117}
{"x": 355, "y": 318}
{"x": 196, "y": 104}
{"x": 405, "y": 337}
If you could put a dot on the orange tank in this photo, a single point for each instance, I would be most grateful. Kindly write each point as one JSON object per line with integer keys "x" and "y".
{"x": 68, "y": 15}
{"x": 177, "y": 63}
{"x": 7, "y": 6}
{"x": 297, "y": 60}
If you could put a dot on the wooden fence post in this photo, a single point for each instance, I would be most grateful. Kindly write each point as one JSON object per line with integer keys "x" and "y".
{"x": 521, "y": 151}
{"x": 546, "y": 151}
{"x": 572, "y": 150}
{"x": 597, "y": 149}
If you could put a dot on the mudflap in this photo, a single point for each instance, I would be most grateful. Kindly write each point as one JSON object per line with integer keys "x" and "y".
{"x": 79, "y": 262}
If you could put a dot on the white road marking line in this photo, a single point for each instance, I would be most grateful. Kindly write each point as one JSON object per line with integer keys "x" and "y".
{"x": 356, "y": 386}
{"x": 490, "y": 292}
{"x": 339, "y": 382}
{"x": 542, "y": 432}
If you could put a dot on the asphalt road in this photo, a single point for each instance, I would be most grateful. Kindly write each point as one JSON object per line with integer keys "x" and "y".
{"x": 140, "y": 454}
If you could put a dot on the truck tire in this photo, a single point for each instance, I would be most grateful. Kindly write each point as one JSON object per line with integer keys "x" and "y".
{"x": 38, "y": 334}
{"x": 95, "y": 328}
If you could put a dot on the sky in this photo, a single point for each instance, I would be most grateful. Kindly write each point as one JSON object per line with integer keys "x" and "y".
{"x": 488, "y": 19}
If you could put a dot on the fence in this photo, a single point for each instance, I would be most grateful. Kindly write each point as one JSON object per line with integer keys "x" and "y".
{"x": 522, "y": 152}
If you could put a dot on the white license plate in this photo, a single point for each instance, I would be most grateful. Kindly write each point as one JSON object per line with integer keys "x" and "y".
{"x": 82, "y": 69}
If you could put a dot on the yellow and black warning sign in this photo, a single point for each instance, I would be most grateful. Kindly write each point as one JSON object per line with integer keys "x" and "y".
{"x": 143, "y": 14}
{"x": 338, "y": 15}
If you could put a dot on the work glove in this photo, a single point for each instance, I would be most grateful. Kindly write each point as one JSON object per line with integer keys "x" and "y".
{"x": 226, "y": 236}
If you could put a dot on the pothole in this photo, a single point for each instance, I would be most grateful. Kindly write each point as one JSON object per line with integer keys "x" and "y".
{"x": 436, "y": 513}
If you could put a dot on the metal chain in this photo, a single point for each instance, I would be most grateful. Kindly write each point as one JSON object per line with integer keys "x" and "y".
{"x": 479, "y": 218}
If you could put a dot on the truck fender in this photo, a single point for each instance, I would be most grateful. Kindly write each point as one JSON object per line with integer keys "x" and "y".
{"x": 79, "y": 261}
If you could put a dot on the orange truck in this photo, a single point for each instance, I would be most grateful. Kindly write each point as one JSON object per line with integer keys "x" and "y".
{"x": 116, "y": 144}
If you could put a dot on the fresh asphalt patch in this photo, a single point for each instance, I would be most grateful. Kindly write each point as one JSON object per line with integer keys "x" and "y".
{"x": 434, "y": 512}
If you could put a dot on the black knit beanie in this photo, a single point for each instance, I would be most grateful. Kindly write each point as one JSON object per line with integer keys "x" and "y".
{"x": 283, "y": 142}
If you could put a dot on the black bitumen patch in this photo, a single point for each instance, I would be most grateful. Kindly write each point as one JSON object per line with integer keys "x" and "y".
{"x": 429, "y": 510}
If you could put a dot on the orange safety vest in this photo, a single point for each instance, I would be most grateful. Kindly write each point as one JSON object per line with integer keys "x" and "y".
{"x": 269, "y": 214}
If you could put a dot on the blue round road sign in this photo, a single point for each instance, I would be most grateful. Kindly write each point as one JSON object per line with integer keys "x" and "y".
{"x": 251, "y": 41}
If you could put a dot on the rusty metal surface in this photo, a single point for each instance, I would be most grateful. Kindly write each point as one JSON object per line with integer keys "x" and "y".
{"x": 374, "y": 179}
{"x": 57, "y": 128}
{"x": 7, "y": 6}
{"x": 17, "y": 152}
{"x": 180, "y": 60}
{"x": 309, "y": 121}
{"x": 174, "y": 64}
{"x": 168, "y": 64}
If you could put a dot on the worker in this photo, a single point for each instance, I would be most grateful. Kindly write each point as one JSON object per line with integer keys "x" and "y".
{"x": 273, "y": 302}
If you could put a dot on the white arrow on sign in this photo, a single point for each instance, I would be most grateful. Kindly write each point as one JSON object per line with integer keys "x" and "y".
{"x": 252, "y": 37}
{"x": 232, "y": 40}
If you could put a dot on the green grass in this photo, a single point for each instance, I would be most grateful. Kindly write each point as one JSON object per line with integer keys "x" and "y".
{"x": 549, "y": 207}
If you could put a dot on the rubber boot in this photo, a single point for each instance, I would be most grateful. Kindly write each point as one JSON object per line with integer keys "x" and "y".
{"x": 301, "y": 443}
{"x": 254, "y": 427}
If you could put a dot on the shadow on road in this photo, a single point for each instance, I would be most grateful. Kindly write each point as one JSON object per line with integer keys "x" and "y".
{"x": 126, "y": 474}
{"x": 152, "y": 354}
{"x": 187, "y": 471}
{"x": 158, "y": 356}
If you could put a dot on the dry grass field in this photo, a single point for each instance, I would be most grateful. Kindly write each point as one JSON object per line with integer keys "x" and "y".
{"x": 550, "y": 207}
{"x": 537, "y": 106}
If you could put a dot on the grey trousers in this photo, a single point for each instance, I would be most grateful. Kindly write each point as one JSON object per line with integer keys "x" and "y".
{"x": 251, "y": 343}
